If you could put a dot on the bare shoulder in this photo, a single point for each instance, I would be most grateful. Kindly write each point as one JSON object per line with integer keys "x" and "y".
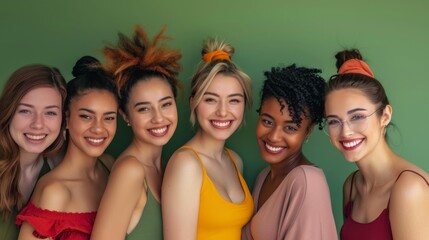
{"x": 128, "y": 167}
{"x": 184, "y": 162}
{"x": 411, "y": 186}
{"x": 237, "y": 159}
{"x": 51, "y": 194}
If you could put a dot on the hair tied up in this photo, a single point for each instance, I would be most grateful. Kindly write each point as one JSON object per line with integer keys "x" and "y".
{"x": 216, "y": 55}
{"x": 356, "y": 66}
{"x": 84, "y": 65}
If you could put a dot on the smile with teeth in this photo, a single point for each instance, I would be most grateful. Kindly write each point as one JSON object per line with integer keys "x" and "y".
{"x": 221, "y": 124}
{"x": 273, "y": 149}
{"x": 158, "y": 131}
{"x": 35, "y": 137}
{"x": 351, "y": 144}
{"x": 96, "y": 140}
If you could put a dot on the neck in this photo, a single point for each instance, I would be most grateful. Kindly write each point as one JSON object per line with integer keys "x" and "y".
{"x": 282, "y": 168}
{"x": 78, "y": 163}
{"x": 378, "y": 167}
{"x": 149, "y": 155}
{"x": 207, "y": 145}
{"x": 29, "y": 160}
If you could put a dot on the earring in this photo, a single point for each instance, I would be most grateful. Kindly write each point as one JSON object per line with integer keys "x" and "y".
{"x": 306, "y": 140}
{"x": 65, "y": 134}
{"x": 128, "y": 124}
{"x": 385, "y": 129}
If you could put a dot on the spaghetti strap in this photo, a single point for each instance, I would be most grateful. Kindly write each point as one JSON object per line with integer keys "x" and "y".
{"x": 408, "y": 170}
{"x": 196, "y": 154}
{"x": 351, "y": 185}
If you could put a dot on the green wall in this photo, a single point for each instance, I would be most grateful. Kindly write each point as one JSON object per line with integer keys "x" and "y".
{"x": 392, "y": 35}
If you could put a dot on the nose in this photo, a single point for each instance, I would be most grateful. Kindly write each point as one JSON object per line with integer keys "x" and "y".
{"x": 345, "y": 129}
{"x": 37, "y": 122}
{"x": 97, "y": 127}
{"x": 221, "y": 109}
{"x": 274, "y": 135}
{"x": 157, "y": 117}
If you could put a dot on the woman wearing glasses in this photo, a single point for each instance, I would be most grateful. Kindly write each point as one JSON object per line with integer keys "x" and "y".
{"x": 387, "y": 198}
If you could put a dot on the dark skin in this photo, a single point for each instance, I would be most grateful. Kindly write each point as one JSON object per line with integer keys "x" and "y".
{"x": 280, "y": 142}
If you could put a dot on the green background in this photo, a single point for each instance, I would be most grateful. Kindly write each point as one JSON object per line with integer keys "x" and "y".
{"x": 392, "y": 35}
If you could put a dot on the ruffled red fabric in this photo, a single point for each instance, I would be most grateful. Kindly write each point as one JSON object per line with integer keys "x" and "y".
{"x": 57, "y": 225}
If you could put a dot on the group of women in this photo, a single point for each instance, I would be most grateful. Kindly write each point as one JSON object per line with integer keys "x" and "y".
{"x": 56, "y": 184}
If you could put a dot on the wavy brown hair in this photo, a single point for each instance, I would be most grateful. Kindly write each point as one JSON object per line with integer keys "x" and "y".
{"x": 139, "y": 58}
{"x": 19, "y": 84}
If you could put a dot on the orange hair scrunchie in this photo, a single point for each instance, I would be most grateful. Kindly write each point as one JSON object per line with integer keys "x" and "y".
{"x": 215, "y": 55}
{"x": 355, "y": 66}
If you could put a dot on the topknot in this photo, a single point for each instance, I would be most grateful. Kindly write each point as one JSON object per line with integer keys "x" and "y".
{"x": 345, "y": 55}
{"x": 213, "y": 44}
{"x": 84, "y": 65}
{"x": 140, "y": 53}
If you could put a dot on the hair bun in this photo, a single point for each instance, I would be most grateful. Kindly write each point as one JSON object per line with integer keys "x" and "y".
{"x": 345, "y": 55}
{"x": 84, "y": 65}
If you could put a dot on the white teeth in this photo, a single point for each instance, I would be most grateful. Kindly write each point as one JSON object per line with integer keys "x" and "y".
{"x": 95, "y": 140}
{"x": 352, "y": 143}
{"x": 221, "y": 124}
{"x": 35, "y": 137}
{"x": 273, "y": 149}
{"x": 159, "y": 130}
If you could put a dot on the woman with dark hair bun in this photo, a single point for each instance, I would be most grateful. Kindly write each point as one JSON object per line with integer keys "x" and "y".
{"x": 31, "y": 120}
{"x": 65, "y": 201}
{"x": 291, "y": 196}
{"x": 388, "y": 196}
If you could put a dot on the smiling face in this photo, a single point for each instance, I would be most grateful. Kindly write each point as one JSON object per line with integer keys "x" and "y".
{"x": 364, "y": 129}
{"x": 91, "y": 122}
{"x": 37, "y": 120}
{"x": 279, "y": 139}
{"x": 152, "y": 112}
{"x": 221, "y": 109}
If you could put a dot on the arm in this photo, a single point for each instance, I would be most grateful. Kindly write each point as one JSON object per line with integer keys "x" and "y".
{"x": 181, "y": 196}
{"x": 53, "y": 196}
{"x": 123, "y": 191}
{"x": 409, "y": 208}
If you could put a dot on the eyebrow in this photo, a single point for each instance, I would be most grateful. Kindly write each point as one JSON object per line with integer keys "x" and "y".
{"x": 32, "y": 106}
{"x": 231, "y": 95}
{"x": 348, "y": 112}
{"x": 147, "y": 102}
{"x": 269, "y": 116}
{"x": 93, "y": 112}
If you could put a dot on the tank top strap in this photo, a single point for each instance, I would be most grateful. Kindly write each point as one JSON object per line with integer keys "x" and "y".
{"x": 351, "y": 185}
{"x": 198, "y": 157}
{"x": 408, "y": 170}
{"x": 232, "y": 158}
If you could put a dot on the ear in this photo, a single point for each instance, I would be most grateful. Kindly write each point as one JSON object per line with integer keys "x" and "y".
{"x": 386, "y": 116}
{"x": 124, "y": 116}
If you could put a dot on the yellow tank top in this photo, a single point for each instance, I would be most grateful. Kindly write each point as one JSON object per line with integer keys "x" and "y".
{"x": 219, "y": 219}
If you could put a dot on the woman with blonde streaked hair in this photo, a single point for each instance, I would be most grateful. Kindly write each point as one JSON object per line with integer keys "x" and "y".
{"x": 204, "y": 195}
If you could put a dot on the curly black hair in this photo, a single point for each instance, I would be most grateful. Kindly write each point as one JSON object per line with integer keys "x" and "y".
{"x": 302, "y": 89}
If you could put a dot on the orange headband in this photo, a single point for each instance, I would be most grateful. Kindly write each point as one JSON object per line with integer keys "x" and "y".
{"x": 215, "y": 55}
{"x": 355, "y": 66}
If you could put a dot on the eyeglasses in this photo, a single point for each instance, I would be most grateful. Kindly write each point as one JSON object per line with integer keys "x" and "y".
{"x": 357, "y": 122}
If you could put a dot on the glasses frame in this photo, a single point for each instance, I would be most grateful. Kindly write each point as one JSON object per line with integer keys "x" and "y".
{"x": 326, "y": 126}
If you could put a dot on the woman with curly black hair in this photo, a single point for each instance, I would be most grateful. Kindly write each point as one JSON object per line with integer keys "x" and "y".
{"x": 291, "y": 196}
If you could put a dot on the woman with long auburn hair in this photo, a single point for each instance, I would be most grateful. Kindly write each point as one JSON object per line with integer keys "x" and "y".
{"x": 31, "y": 107}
